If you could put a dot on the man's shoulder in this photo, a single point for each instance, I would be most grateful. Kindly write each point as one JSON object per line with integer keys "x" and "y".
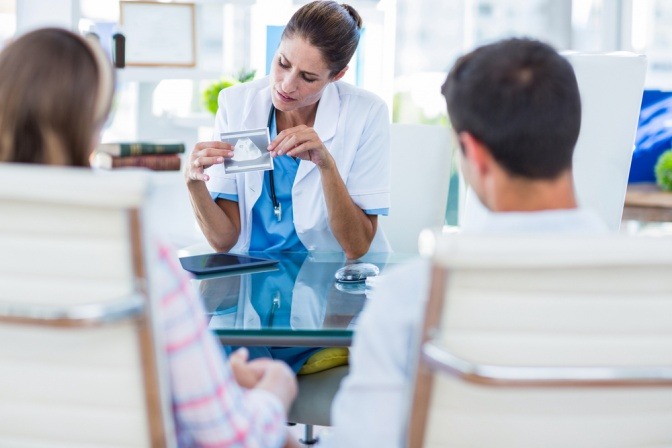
{"x": 577, "y": 221}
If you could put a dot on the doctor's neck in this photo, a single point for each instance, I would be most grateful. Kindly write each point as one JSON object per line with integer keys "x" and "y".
{"x": 291, "y": 118}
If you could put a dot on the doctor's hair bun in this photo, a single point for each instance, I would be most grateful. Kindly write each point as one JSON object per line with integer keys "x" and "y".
{"x": 330, "y": 27}
{"x": 354, "y": 14}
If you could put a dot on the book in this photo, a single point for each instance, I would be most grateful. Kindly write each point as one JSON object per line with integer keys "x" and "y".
{"x": 140, "y": 148}
{"x": 156, "y": 162}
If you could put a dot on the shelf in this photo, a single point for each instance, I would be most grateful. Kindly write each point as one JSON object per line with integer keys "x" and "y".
{"x": 156, "y": 74}
{"x": 192, "y": 121}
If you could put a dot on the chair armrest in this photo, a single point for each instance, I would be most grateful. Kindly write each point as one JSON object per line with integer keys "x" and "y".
{"x": 440, "y": 359}
{"x": 90, "y": 314}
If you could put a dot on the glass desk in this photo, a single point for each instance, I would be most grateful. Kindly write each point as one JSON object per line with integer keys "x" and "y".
{"x": 298, "y": 303}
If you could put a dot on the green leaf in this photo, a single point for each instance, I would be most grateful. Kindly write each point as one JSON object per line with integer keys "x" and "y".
{"x": 211, "y": 94}
{"x": 663, "y": 170}
{"x": 246, "y": 75}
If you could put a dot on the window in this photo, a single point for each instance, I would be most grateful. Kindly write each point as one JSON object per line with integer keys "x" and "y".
{"x": 7, "y": 20}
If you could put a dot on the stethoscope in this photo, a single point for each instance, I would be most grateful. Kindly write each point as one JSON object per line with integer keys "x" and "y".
{"x": 277, "y": 208}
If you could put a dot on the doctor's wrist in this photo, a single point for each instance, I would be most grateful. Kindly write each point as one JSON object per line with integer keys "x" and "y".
{"x": 327, "y": 165}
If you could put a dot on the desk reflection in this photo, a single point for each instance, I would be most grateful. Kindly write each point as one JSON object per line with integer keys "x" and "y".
{"x": 300, "y": 295}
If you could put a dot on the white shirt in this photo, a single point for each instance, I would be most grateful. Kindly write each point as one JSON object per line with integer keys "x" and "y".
{"x": 352, "y": 123}
{"x": 372, "y": 406}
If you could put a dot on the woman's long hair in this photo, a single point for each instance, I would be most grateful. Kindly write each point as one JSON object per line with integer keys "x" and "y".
{"x": 55, "y": 94}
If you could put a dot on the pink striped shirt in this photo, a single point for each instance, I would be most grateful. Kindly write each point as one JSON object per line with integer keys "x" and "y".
{"x": 210, "y": 408}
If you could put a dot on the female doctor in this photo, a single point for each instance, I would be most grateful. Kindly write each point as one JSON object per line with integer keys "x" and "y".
{"x": 329, "y": 140}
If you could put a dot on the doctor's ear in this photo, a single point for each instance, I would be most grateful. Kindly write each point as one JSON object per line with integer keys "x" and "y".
{"x": 340, "y": 74}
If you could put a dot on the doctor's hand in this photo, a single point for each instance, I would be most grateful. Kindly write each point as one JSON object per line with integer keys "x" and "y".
{"x": 302, "y": 142}
{"x": 203, "y": 156}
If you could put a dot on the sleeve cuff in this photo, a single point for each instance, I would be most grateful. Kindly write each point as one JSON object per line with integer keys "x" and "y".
{"x": 377, "y": 211}
{"x": 372, "y": 201}
{"x": 229, "y": 197}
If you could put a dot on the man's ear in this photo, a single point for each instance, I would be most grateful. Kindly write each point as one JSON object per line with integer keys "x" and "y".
{"x": 340, "y": 74}
{"x": 475, "y": 152}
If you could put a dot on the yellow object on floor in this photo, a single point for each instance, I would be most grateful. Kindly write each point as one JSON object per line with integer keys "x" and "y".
{"x": 325, "y": 359}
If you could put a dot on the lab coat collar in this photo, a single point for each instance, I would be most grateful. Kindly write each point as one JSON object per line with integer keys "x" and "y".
{"x": 328, "y": 109}
{"x": 256, "y": 116}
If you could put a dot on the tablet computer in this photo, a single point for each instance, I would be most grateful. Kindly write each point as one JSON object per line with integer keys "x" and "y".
{"x": 222, "y": 262}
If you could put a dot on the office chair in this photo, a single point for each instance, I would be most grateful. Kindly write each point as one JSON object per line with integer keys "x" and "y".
{"x": 546, "y": 341}
{"x": 420, "y": 165}
{"x": 80, "y": 360}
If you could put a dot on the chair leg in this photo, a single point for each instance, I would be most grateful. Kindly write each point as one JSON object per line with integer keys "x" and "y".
{"x": 308, "y": 436}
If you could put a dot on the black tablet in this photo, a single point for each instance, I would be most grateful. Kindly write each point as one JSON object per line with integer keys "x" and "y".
{"x": 222, "y": 262}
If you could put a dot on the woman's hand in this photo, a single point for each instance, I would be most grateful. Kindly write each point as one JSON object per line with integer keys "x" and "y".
{"x": 203, "y": 156}
{"x": 264, "y": 373}
{"x": 246, "y": 376}
{"x": 302, "y": 142}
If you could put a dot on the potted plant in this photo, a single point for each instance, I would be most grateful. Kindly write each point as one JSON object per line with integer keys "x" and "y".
{"x": 211, "y": 93}
{"x": 663, "y": 170}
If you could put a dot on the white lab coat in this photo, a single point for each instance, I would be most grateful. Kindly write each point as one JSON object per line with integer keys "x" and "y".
{"x": 352, "y": 123}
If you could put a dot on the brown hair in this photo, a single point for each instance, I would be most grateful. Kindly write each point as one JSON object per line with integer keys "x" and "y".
{"x": 55, "y": 94}
{"x": 521, "y": 99}
{"x": 331, "y": 28}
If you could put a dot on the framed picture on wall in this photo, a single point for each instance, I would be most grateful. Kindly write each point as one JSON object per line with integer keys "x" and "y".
{"x": 159, "y": 34}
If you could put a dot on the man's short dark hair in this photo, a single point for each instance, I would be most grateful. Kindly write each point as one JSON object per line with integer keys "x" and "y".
{"x": 520, "y": 98}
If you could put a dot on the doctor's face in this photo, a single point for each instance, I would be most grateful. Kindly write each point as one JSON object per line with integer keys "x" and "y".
{"x": 298, "y": 75}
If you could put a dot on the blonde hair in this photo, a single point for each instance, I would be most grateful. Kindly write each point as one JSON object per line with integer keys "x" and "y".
{"x": 56, "y": 91}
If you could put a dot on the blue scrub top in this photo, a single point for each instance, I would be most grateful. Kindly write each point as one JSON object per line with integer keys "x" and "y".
{"x": 269, "y": 234}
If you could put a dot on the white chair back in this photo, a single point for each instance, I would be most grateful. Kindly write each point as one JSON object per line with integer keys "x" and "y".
{"x": 611, "y": 87}
{"x": 80, "y": 359}
{"x": 547, "y": 341}
{"x": 420, "y": 171}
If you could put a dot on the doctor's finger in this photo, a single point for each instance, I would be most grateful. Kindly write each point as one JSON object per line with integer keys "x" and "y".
{"x": 212, "y": 145}
{"x": 206, "y": 162}
{"x": 302, "y": 150}
{"x": 212, "y": 152}
{"x": 279, "y": 141}
{"x": 287, "y": 144}
{"x": 304, "y": 140}
{"x": 307, "y": 135}
{"x": 286, "y": 134}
